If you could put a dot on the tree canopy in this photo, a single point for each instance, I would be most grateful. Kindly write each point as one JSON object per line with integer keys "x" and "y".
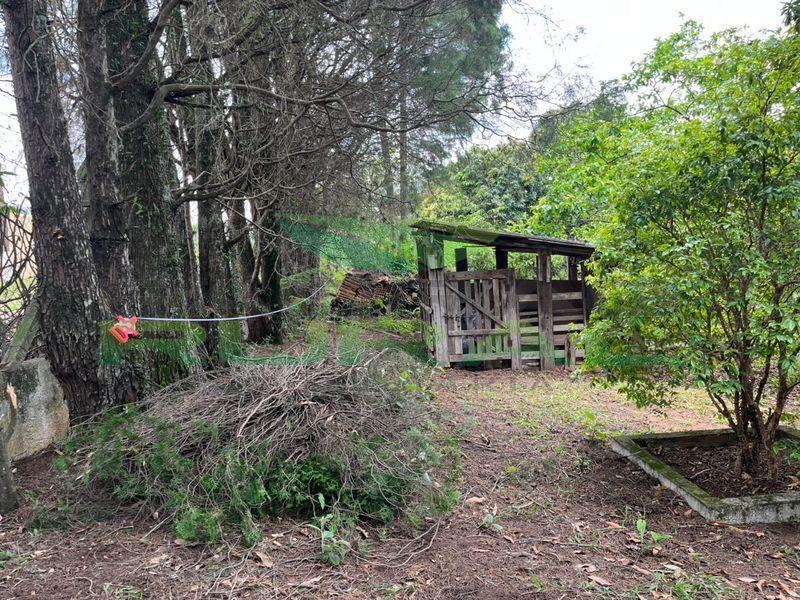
{"x": 685, "y": 175}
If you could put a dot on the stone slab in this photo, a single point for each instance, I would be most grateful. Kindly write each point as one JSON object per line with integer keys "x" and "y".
{"x": 42, "y": 415}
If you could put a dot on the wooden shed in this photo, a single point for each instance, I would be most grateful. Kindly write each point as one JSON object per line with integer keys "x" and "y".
{"x": 492, "y": 316}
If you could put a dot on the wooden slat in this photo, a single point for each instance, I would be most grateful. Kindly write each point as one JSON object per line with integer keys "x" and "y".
{"x": 478, "y": 274}
{"x": 545, "y": 292}
{"x": 557, "y": 297}
{"x": 471, "y": 302}
{"x": 438, "y": 319}
{"x": 512, "y": 313}
{"x": 486, "y": 285}
{"x": 497, "y": 344}
{"x": 454, "y": 324}
{"x": 478, "y": 331}
{"x": 481, "y": 357}
{"x": 469, "y": 311}
{"x": 567, "y": 296}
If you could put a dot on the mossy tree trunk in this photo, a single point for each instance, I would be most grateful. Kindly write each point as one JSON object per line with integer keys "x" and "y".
{"x": 70, "y": 303}
{"x": 109, "y": 216}
{"x": 146, "y": 167}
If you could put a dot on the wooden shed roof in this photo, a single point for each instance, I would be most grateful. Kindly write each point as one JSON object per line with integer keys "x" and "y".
{"x": 505, "y": 240}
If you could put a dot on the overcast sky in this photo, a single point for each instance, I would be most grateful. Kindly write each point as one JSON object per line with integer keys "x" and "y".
{"x": 602, "y": 37}
{"x": 612, "y": 34}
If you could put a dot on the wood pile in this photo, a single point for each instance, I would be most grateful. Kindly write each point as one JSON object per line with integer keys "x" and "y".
{"x": 365, "y": 286}
{"x": 361, "y": 288}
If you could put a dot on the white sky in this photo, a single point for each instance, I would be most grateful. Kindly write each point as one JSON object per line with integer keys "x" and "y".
{"x": 613, "y": 34}
{"x": 617, "y": 33}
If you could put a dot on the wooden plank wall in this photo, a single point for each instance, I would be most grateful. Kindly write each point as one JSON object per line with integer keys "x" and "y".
{"x": 490, "y": 315}
{"x": 481, "y": 316}
{"x": 568, "y": 317}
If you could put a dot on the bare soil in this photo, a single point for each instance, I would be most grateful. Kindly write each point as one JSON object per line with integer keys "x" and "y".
{"x": 547, "y": 510}
{"x": 714, "y": 470}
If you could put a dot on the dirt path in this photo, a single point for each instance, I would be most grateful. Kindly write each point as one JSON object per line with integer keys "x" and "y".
{"x": 547, "y": 510}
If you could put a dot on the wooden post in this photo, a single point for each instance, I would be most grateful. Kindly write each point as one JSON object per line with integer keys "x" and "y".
{"x": 544, "y": 286}
{"x": 572, "y": 268}
{"x": 461, "y": 259}
{"x": 430, "y": 252}
{"x": 587, "y": 293}
{"x": 501, "y": 258}
{"x": 512, "y": 312}
{"x": 439, "y": 316}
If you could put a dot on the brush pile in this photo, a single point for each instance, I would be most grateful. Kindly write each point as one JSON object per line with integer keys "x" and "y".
{"x": 248, "y": 441}
{"x": 302, "y": 410}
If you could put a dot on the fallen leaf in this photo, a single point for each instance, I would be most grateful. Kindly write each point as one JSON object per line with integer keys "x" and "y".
{"x": 587, "y": 568}
{"x": 157, "y": 560}
{"x": 309, "y": 582}
{"x": 677, "y": 572}
{"x": 264, "y": 559}
{"x": 787, "y": 589}
{"x": 599, "y": 580}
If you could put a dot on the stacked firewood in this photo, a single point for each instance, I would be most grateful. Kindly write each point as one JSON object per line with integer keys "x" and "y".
{"x": 377, "y": 291}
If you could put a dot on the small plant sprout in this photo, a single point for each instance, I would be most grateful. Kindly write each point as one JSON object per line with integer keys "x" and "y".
{"x": 490, "y": 523}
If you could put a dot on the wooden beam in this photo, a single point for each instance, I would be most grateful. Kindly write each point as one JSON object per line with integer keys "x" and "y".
{"x": 501, "y": 258}
{"x": 479, "y": 274}
{"x": 439, "y": 316}
{"x": 544, "y": 287}
{"x": 572, "y": 268}
{"x": 512, "y": 312}
{"x": 588, "y": 294}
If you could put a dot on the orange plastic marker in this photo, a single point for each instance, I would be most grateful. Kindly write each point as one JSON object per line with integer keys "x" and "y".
{"x": 124, "y": 329}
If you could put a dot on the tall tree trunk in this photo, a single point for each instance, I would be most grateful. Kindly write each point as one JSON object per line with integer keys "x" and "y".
{"x": 270, "y": 293}
{"x": 388, "y": 170}
{"x": 8, "y": 493}
{"x": 70, "y": 304}
{"x": 191, "y": 276}
{"x": 251, "y": 281}
{"x": 405, "y": 201}
{"x": 146, "y": 170}
{"x": 109, "y": 219}
{"x": 216, "y": 281}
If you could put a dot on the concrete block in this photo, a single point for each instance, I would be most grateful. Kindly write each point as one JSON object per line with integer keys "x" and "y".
{"x": 783, "y": 507}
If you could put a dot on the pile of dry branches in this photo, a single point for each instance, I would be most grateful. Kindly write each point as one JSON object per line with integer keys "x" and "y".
{"x": 230, "y": 445}
{"x": 300, "y": 409}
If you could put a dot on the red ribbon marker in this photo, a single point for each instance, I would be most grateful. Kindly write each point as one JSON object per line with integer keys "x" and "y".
{"x": 124, "y": 329}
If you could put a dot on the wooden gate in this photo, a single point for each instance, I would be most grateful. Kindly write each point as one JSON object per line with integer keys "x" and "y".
{"x": 481, "y": 316}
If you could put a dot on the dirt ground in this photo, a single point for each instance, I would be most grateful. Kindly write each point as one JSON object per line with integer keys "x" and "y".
{"x": 547, "y": 510}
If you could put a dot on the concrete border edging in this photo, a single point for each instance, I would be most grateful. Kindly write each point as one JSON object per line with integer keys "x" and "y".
{"x": 782, "y": 507}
